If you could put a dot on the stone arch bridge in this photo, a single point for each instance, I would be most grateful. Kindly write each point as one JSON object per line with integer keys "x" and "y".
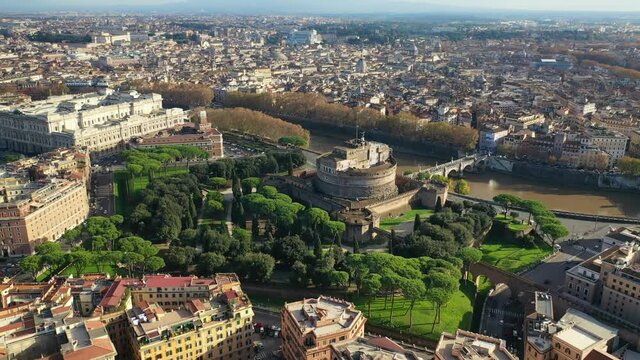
{"x": 516, "y": 283}
{"x": 459, "y": 166}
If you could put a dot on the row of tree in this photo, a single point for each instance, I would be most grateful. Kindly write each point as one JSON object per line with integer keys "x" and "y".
{"x": 256, "y": 123}
{"x": 546, "y": 220}
{"x": 184, "y": 95}
{"x": 316, "y": 108}
{"x": 103, "y": 246}
{"x": 246, "y": 167}
{"x": 415, "y": 279}
{"x": 149, "y": 160}
{"x": 629, "y": 166}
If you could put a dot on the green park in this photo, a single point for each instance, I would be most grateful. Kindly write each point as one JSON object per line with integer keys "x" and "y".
{"x": 175, "y": 219}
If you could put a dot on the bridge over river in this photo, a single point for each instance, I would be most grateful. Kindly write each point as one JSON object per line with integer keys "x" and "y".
{"x": 457, "y": 166}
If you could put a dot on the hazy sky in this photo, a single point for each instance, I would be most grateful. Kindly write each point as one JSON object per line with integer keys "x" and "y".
{"x": 247, "y": 6}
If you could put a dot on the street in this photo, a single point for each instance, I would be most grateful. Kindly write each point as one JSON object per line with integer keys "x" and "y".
{"x": 503, "y": 316}
{"x": 102, "y": 194}
{"x": 271, "y": 344}
{"x": 583, "y": 243}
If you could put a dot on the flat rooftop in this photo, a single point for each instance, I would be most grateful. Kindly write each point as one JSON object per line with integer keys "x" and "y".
{"x": 324, "y": 315}
{"x": 578, "y": 337}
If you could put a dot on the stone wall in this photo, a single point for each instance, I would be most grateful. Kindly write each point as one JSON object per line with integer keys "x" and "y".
{"x": 359, "y": 185}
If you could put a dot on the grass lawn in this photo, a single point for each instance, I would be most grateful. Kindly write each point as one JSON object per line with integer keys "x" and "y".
{"x": 512, "y": 255}
{"x": 274, "y": 304}
{"x": 456, "y": 314}
{"x": 123, "y": 205}
{"x": 513, "y": 224}
{"x": 92, "y": 268}
{"x": 410, "y": 216}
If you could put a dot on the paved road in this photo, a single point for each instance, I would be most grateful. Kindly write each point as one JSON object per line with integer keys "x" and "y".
{"x": 574, "y": 249}
{"x": 503, "y": 316}
{"x": 102, "y": 193}
{"x": 270, "y": 344}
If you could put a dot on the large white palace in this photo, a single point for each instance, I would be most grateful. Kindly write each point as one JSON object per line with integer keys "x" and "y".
{"x": 98, "y": 121}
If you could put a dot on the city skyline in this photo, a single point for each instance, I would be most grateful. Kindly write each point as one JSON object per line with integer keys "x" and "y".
{"x": 324, "y": 7}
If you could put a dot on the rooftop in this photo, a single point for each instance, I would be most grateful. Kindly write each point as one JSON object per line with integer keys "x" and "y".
{"x": 467, "y": 345}
{"x": 578, "y": 337}
{"x": 324, "y": 315}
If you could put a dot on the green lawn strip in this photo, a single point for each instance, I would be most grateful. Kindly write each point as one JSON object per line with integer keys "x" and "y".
{"x": 455, "y": 314}
{"x": 512, "y": 256}
{"x": 511, "y": 223}
{"x": 273, "y": 304}
{"x": 92, "y": 268}
{"x": 387, "y": 224}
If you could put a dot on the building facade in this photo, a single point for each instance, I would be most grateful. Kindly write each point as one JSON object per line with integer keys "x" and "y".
{"x": 609, "y": 281}
{"x": 200, "y": 135}
{"x": 214, "y": 320}
{"x": 312, "y": 326}
{"x": 41, "y": 198}
{"x": 98, "y": 122}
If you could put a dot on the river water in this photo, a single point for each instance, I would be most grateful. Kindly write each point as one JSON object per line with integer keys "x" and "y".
{"x": 488, "y": 184}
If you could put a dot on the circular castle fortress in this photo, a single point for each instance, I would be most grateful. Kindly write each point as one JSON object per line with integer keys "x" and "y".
{"x": 359, "y": 170}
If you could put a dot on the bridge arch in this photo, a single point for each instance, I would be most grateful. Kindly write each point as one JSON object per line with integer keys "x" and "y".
{"x": 451, "y": 172}
{"x": 518, "y": 285}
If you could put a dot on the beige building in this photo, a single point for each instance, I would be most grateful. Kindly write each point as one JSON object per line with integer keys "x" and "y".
{"x": 611, "y": 142}
{"x": 634, "y": 143}
{"x": 97, "y": 121}
{"x": 609, "y": 281}
{"x": 218, "y": 326}
{"x": 171, "y": 292}
{"x": 465, "y": 345}
{"x": 39, "y": 212}
{"x": 576, "y": 336}
{"x": 200, "y": 135}
{"x": 312, "y": 326}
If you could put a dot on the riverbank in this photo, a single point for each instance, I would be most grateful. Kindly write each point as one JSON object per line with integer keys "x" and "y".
{"x": 486, "y": 185}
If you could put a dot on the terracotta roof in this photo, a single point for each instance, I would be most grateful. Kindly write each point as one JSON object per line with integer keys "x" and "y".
{"x": 99, "y": 348}
{"x": 385, "y": 343}
{"x": 155, "y": 281}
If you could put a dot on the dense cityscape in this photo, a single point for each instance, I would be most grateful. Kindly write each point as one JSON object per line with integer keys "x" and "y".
{"x": 183, "y": 184}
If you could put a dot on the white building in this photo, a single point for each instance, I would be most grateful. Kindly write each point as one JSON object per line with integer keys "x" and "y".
{"x": 491, "y": 137}
{"x": 113, "y": 39}
{"x": 304, "y": 37}
{"x": 611, "y": 142}
{"x": 97, "y": 121}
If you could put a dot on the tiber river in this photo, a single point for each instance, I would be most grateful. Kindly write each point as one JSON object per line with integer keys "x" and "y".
{"x": 488, "y": 184}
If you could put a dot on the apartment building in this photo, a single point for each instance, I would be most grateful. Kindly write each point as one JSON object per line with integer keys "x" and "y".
{"x": 611, "y": 142}
{"x": 311, "y": 326}
{"x": 34, "y": 212}
{"x": 610, "y": 281}
{"x": 98, "y": 121}
{"x": 465, "y": 345}
{"x": 575, "y": 336}
{"x": 170, "y": 292}
{"x": 634, "y": 143}
{"x": 201, "y": 135}
{"x": 219, "y": 327}
{"x": 621, "y": 236}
